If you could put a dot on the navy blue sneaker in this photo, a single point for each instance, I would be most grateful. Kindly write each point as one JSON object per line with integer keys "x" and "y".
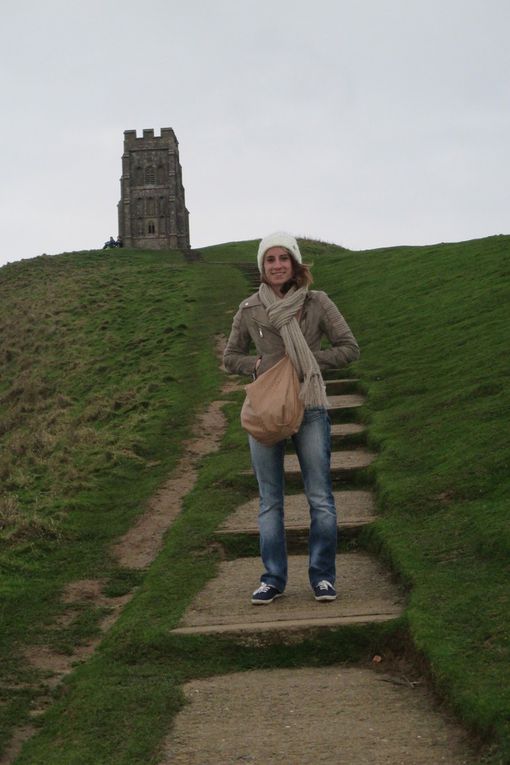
{"x": 265, "y": 594}
{"x": 324, "y": 590}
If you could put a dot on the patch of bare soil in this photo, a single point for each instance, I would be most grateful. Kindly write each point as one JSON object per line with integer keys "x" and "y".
{"x": 333, "y": 715}
{"x": 14, "y": 747}
{"x": 82, "y": 592}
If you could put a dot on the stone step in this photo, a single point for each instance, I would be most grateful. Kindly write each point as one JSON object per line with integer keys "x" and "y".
{"x": 354, "y": 509}
{"x": 366, "y": 594}
{"x": 343, "y": 463}
{"x": 342, "y": 434}
{"x": 341, "y": 386}
{"x": 346, "y": 429}
{"x": 337, "y": 374}
{"x": 346, "y": 401}
{"x": 333, "y": 714}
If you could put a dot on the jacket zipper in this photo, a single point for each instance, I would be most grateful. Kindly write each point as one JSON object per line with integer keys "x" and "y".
{"x": 267, "y": 327}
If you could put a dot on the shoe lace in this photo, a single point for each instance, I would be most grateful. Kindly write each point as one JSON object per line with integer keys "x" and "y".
{"x": 324, "y": 585}
{"x": 263, "y": 588}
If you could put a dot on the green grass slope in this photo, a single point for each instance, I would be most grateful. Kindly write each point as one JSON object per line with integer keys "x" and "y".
{"x": 106, "y": 359}
{"x": 432, "y": 323}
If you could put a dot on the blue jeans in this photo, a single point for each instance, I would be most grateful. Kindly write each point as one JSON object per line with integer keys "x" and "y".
{"x": 313, "y": 448}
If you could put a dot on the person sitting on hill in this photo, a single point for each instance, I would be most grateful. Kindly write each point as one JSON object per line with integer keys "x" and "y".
{"x": 110, "y": 243}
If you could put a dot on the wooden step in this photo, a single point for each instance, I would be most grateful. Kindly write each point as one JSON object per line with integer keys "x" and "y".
{"x": 365, "y": 594}
{"x": 354, "y": 510}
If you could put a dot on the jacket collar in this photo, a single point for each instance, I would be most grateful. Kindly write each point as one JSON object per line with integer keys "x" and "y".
{"x": 254, "y": 300}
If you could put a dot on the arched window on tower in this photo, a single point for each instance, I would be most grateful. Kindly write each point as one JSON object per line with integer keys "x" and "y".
{"x": 150, "y": 176}
{"x": 151, "y": 228}
{"x": 161, "y": 175}
{"x": 150, "y": 206}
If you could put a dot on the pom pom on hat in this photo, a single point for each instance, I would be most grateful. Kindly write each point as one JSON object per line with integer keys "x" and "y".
{"x": 278, "y": 239}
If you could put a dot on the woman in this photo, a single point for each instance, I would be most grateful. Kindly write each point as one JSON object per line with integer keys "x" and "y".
{"x": 285, "y": 317}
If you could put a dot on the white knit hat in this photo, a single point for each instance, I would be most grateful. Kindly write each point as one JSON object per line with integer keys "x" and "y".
{"x": 278, "y": 239}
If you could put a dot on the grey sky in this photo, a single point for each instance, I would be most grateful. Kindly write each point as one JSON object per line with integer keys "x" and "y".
{"x": 363, "y": 122}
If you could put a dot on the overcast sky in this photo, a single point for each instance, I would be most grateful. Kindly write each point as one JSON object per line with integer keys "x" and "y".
{"x": 362, "y": 122}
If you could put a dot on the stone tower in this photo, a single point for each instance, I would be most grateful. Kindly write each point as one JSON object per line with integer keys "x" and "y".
{"x": 152, "y": 211}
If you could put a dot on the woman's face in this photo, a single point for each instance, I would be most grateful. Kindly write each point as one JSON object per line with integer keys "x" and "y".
{"x": 277, "y": 267}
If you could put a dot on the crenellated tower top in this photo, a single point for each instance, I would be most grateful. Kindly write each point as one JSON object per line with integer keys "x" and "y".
{"x": 167, "y": 136}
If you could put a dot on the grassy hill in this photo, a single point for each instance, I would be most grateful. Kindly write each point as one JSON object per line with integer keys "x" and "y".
{"x": 107, "y": 358}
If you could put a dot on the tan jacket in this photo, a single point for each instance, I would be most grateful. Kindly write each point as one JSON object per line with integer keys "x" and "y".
{"x": 319, "y": 318}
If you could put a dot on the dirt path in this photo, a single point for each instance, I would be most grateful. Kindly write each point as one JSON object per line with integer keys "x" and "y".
{"x": 140, "y": 545}
{"x": 138, "y": 548}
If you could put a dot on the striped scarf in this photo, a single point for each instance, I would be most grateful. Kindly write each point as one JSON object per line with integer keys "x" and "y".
{"x": 282, "y": 315}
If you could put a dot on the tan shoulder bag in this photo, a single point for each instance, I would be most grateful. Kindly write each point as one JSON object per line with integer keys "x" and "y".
{"x": 272, "y": 409}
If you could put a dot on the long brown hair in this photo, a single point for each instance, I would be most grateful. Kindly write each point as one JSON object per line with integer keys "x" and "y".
{"x": 301, "y": 275}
